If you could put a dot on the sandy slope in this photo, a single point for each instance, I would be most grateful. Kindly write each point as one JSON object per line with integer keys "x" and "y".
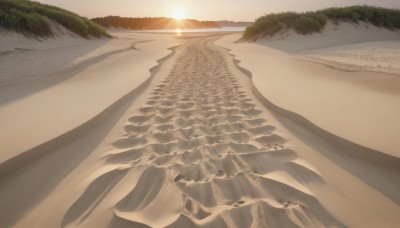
{"x": 59, "y": 84}
{"x": 358, "y": 105}
{"x": 196, "y": 147}
{"x": 379, "y": 56}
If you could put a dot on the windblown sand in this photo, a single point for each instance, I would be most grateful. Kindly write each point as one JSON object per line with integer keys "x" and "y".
{"x": 196, "y": 145}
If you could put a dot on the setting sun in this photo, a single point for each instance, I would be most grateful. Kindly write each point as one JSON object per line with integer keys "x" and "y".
{"x": 178, "y": 14}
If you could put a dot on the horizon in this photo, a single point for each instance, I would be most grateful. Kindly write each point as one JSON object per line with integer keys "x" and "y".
{"x": 221, "y": 10}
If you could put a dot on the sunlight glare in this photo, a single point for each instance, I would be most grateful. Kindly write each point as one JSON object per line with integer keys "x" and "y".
{"x": 178, "y": 14}
{"x": 178, "y": 32}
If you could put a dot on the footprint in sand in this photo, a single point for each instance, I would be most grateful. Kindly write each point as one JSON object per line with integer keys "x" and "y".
{"x": 209, "y": 144}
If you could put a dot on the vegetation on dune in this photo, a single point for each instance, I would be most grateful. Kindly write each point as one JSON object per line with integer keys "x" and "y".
{"x": 32, "y": 18}
{"x": 312, "y": 22}
{"x": 25, "y": 22}
{"x": 305, "y": 25}
{"x": 381, "y": 17}
{"x": 152, "y": 23}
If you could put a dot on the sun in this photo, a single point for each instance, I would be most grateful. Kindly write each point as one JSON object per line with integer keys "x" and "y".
{"x": 178, "y": 14}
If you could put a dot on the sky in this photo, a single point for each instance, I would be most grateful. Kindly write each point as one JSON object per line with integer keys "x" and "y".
{"x": 235, "y": 10}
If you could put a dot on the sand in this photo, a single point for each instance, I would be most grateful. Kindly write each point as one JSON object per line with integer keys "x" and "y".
{"x": 195, "y": 142}
{"x": 83, "y": 77}
{"x": 360, "y": 105}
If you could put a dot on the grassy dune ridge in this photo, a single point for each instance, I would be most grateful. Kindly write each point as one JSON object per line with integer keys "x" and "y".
{"x": 312, "y": 22}
{"x": 32, "y": 18}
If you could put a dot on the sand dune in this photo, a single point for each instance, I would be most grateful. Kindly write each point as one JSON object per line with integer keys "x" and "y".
{"x": 198, "y": 145}
{"x": 77, "y": 74}
{"x": 366, "y": 109}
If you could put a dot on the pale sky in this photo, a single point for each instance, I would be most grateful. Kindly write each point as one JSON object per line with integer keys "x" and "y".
{"x": 237, "y": 10}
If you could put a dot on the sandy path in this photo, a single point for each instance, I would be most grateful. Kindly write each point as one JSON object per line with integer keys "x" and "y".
{"x": 198, "y": 149}
{"x": 208, "y": 156}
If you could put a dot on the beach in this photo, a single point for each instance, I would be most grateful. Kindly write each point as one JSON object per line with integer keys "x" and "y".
{"x": 201, "y": 130}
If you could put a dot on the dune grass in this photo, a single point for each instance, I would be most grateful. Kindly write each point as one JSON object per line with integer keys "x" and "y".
{"x": 32, "y": 18}
{"x": 25, "y": 22}
{"x": 312, "y": 22}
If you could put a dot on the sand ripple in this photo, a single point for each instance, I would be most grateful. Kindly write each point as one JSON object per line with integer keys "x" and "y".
{"x": 210, "y": 158}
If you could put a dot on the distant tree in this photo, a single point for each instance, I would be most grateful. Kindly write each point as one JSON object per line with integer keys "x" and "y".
{"x": 152, "y": 23}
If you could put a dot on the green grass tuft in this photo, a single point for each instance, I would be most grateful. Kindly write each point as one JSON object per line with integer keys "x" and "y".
{"x": 25, "y": 22}
{"x": 32, "y": 18}
{"x": 307, "y": 25}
